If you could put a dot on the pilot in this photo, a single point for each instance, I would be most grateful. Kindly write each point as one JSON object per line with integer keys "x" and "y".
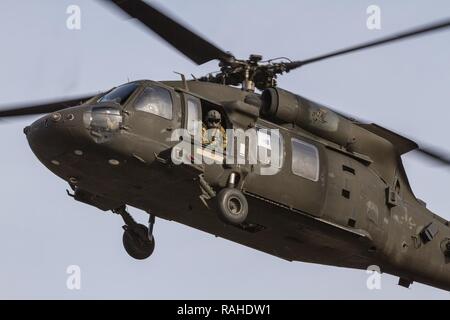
{"x": 212, "y": 130}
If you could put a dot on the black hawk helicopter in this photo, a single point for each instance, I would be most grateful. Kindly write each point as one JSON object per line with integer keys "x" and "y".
{"x": 339, "y": 194}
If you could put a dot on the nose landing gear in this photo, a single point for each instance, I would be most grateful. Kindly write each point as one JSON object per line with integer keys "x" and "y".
{"x": 137, "y": 239}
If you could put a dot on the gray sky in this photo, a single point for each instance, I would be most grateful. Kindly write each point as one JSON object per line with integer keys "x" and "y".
{"x": 402, "y": 86}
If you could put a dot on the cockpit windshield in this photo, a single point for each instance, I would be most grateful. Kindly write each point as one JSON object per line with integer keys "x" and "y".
{"x": 120, "y": 94}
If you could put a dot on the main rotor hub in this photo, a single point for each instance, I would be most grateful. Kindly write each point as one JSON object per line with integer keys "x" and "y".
{"x": 250, "y": 74}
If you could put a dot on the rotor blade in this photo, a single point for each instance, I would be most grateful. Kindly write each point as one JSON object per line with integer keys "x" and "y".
{"x": 47, "y": 107}
{"x": 395, "y": 37}
{"x": 435, "y": 154}
{"x": 186, "y": 41}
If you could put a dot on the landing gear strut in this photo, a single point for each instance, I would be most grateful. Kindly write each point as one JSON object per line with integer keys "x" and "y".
{"x": 137, "y": 239}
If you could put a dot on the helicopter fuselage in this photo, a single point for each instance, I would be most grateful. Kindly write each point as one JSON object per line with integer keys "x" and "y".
{"x": 327, "y": 203}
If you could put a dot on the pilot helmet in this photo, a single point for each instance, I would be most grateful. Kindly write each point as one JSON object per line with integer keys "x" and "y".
{"x": 213, "y": 119}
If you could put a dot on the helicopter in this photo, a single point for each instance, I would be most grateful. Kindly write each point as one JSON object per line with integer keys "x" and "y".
{"x": 295, "y": 179}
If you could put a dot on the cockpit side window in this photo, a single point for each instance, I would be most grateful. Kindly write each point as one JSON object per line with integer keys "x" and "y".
{"x": 120, "y": 94}
{"x": 157, "y": 101}
{"x": 194, "y": 115}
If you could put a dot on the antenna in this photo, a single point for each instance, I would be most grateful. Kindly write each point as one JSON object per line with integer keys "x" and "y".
{"x": 183, "y": 79}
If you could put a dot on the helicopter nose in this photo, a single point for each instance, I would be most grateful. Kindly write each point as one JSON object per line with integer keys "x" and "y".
{"x": 55, "y": 134}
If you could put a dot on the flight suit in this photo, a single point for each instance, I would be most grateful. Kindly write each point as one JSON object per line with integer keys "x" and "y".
{"x": 211, "y": 137}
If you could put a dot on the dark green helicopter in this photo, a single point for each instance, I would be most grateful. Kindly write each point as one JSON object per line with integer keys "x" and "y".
{"x": 337, "y": 193}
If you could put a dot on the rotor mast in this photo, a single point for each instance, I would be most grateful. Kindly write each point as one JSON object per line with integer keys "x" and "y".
{"x": 248, "y": 84}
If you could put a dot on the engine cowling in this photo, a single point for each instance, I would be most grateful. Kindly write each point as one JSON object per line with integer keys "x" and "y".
{"x": 285, "y": 107}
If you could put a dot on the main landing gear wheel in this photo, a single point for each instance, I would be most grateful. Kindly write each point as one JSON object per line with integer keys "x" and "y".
{"x": 136, "y": 242}
{"x": 233, "y": 206}
{"x": 137, "y": 239}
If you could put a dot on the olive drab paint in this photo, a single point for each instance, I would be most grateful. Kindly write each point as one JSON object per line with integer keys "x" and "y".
{"x": 358, "y": 211}
{"x": 338, "y": 194}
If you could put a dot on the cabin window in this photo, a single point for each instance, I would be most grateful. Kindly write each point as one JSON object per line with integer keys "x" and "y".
{"x": 155, "y": 100}
{"x": 305, "y": 160}
{"x": 120, "y": 94}
{"x": 194, "y": 116}
{"x": 269, "y": 147}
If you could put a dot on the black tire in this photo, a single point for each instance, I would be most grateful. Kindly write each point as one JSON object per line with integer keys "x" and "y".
{"x": 136, "y": 242}
{"x": 233, "y": 206}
